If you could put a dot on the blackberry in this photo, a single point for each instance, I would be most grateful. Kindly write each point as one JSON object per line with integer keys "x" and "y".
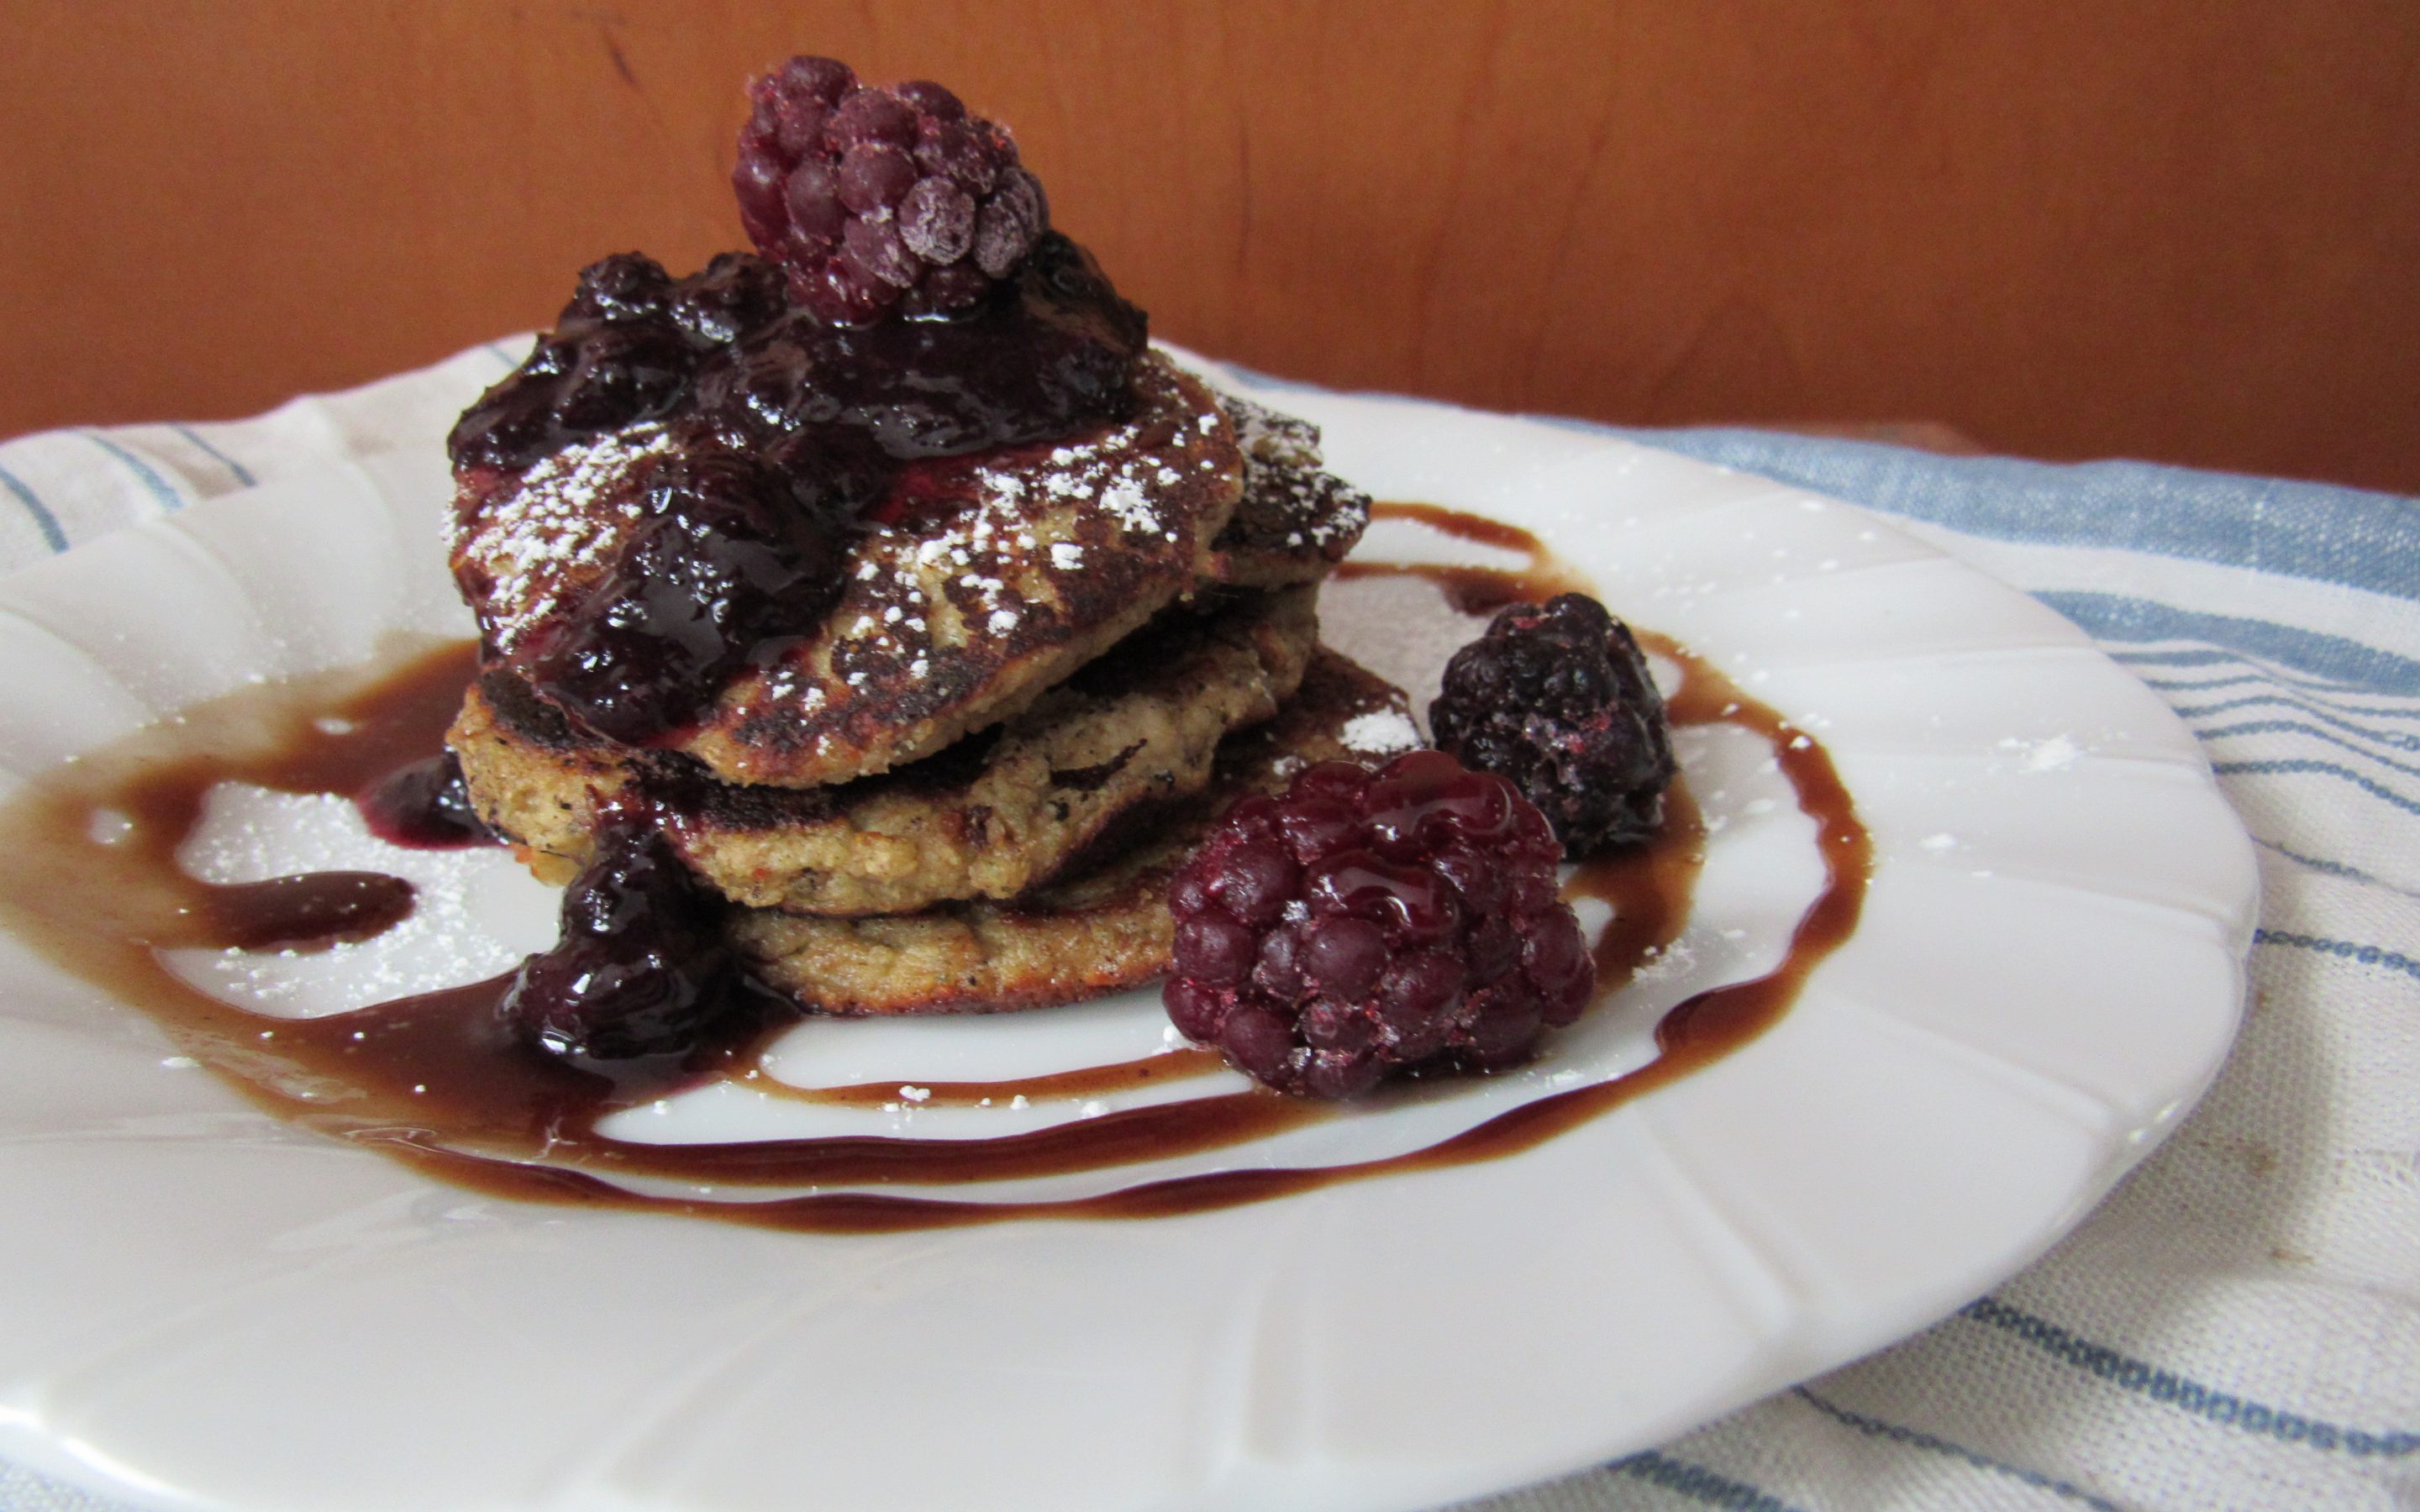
{"x": 1367, "y": 923}
{"x": 880, "y": 199}
{"x": 1559, "y": 701}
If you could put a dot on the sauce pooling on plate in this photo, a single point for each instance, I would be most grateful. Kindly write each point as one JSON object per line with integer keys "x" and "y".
{"x": 441, "y": 1083}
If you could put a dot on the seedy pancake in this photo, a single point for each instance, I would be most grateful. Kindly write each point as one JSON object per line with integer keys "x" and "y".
{"x": 1104, "y": 929}
{"x": 1295, "y": 522}
{"x": 981, "y": 581}
{"x": 993, "y": 816}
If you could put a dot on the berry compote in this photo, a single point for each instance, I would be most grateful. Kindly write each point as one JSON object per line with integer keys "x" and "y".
{"x": 424, "y": 806}
{"x": 913, "y": 303}
{"x": 641, "y": 970}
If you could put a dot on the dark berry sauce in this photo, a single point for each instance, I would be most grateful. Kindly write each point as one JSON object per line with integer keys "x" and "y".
{"x": 310, "y": 911}
{"x": 641, "y": 970}
{"x": 722, "y": 560}
{"x": 424, "y": 806}
{"x": 787, "y": 429}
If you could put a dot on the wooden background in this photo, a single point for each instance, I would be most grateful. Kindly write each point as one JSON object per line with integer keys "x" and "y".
{"x": 2183, "y": 230}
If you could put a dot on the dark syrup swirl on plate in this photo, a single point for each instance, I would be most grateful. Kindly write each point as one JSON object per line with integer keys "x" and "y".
{"x": 439, "y": 1082}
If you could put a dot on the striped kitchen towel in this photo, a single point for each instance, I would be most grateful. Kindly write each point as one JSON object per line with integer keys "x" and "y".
{"x": 2239, "y": 1325}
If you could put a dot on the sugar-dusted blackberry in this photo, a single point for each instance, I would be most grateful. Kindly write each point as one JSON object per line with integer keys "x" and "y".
{"x": 1363, "y": 923}
{"x": 1559, "y": 701}
{"x": 879, "y": 199}
{"x": 640, "y": 968}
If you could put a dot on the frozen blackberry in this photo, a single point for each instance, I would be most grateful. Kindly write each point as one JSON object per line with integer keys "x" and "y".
{"x": 1367, "y": 923}
{"x": 880, "y": 199}
{"x": 1559, "y": 701}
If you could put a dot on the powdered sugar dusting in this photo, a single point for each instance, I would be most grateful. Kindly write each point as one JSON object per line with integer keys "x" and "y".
{"x": 1269, "y": 438}
{"x": 1380, "y": 733}
{"x": 995, "y": 559}
{"x": 979, "y": 567}
{"x": 1400, "y": 628}
{"x": 553, "y": 531}
{"x": 1290, "y": 506}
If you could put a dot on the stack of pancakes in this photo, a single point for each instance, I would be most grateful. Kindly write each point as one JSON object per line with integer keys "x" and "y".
{"x": 1051, "y": 666}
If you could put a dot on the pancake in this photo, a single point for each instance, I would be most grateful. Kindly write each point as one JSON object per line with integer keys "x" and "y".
{"x": 993, "y": 816}
{"x": 980, "y": 581}
{"x": 1104, "y": 929}
{"x": 1295, "y": 522}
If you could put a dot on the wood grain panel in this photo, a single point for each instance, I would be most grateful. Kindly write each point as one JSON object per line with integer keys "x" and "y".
{"x": 2174, "y": 230}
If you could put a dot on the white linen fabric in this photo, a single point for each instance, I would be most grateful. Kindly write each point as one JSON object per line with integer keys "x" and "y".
{"x": 2237, "y": 1326}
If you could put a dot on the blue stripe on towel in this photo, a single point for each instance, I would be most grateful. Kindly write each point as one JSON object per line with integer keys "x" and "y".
{"x": 241, "y": 473}
{"x": 2118, "y": 617}
{"x": 2300, "y": 768}
{"x": 2334, "y": 868}
{"x": 1698, "y": 1484}
{"x": 169, "y": 498}
{"x": 2179, "y": 685}
{"x": 2186, "y": 1394}
{"x": 2301, "y": 727}
{"x": 2210, "y": 656}
{"x": 2353, "y": 950}
{"x": 2312, "y": 694}
{"x": 47, "y": 523}
{"x": 2399, "y": 740}
{"x": 1918, "y": 1439}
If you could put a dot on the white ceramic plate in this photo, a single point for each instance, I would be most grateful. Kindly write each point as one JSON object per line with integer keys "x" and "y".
{"x": 202, "y": 1307}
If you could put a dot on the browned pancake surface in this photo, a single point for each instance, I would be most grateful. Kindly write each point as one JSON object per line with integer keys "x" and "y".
{"x": 1105, "y": 929}
{"x": 1295, "y": 522}
{"x": 982, "y": 580}
{"x": 994, "y": 815}
{"x": 986, "y": 579}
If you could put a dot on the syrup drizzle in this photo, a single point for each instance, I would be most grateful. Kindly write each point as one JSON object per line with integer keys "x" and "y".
{"x": 308, "y": 912}
{"x": 439, "y": 1083}
{"x": 1064, "y": 1086}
